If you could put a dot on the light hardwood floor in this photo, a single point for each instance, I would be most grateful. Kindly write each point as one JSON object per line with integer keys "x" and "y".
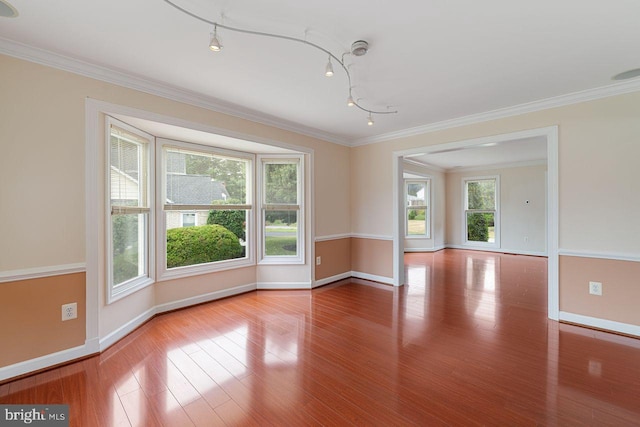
{"x": 466, "y": 342}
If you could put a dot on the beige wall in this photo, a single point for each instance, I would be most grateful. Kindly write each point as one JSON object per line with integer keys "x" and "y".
{"x": 517, "y": 218}
{"x": 31, "y": 317}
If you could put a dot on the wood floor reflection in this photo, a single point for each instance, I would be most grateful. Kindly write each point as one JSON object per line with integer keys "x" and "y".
{"x": 466, "y": 342}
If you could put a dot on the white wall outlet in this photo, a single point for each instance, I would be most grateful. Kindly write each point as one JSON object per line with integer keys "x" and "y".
{"x": 318, "y": 260}
{"x": 69, "y": 311}
{"x": 595, "y": 288}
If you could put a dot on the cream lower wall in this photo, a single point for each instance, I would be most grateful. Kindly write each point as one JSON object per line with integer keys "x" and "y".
{"x": 335, "y": 257}
{"x": 620, "y": 288}
{"x": 31, "y": 317}
{"x": 372, "y": 257}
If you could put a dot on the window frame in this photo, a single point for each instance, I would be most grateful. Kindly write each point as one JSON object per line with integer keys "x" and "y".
{"x": 115, "y": 292}
{"x": 261, "y": 161}
{"x": 164, "y": 273}
{"x": 427, "y": 207}
{"x": 466, "y": 211}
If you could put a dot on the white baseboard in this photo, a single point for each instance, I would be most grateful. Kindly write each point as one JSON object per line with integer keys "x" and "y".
{"x": 434, "y": 249}
{"x": 115, "y": 336}
{"x": 284, "y": 285}
{"x": 212, "y": 296}
{"x": 367, "y": 276}
{"x": 331, "y": 279}
{"x": 135, "y": 323}
{"x": 96, "y": 345}
{"x": 43, "y": 362}
{"x": 500, "y": 250}
{"x": 609, "y": 325}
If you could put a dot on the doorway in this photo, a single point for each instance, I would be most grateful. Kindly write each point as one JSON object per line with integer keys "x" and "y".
{"x": 497, "y": 144}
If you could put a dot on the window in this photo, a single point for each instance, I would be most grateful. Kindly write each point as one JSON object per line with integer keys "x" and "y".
{"x": 129, "y": 201}
{"x": 417, "y": 210}
{"x": 188, "y": 219}
{"x": 481, "y": 210}
{"x": 281, "y": 210}
{"x": 177, "y": 209}
{"x": 206, "y": 207}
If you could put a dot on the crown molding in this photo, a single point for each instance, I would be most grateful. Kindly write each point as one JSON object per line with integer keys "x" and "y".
{"x": 529, "y": 107}
{"x": 120, "y": 78}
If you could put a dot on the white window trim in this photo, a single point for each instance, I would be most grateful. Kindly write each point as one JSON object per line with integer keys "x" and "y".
{"x": 496, "y": 219}
{"x": 299, "y": 258}
{"x": 114, "y": 293}
{"x": 195, "y": 218}
{"x": 427, "y": 226}
{"x": 163, "y": 273}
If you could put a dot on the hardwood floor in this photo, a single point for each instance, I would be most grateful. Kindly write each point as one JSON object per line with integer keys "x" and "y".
{"x": 466, "y": 342}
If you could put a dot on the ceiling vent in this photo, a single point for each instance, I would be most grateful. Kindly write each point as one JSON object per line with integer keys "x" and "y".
{"x": 359, "y": 48}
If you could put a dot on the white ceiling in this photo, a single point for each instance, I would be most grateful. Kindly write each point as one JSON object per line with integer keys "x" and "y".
{"x": 525, "y": 151}
{"x": 433, "y": 61}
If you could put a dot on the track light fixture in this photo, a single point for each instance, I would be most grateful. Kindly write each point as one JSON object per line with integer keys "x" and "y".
{"x": 350, "y": 101}
{"x": 329, "y": 70}
{"x": 358, "y": 48}
{"x": 214, "y": 44}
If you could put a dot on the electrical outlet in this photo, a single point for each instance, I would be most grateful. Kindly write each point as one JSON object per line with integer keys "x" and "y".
{"x": 595, "y": 288}
{"x": 69, "y": 311}
{"x": 318, "y": 260}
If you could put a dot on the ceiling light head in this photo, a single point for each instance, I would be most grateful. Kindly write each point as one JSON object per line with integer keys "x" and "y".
{"x": 329, "y": 70}
{"x": 7, "y": 10}
{"x": 350, "y": 101}
{"x": 370, "y": 120}
{"x": 215, "y": 44}
{"x": 359, "y": 48}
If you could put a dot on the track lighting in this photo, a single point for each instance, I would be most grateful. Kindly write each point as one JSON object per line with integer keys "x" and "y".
{"x": 329, "y": 70}
{"x": 214, "y": 44}
{"x": 350, "y": 101}
{"x": 358, "y": 48}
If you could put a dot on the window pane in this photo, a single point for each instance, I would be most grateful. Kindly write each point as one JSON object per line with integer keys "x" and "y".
{"x": 128, "y": 247}
{"x": 194, "y": 178}
{"x": 481, "y": 195}
{"x": 416, "y": 194}
{"x": 480, "y": 227}
{"x": 128, "y": 169}
{"x": 281, "y": 233}
{"x": 416, "y": 221}
{"x": 281, "y": 183}
{"x": 200, "y": 244}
